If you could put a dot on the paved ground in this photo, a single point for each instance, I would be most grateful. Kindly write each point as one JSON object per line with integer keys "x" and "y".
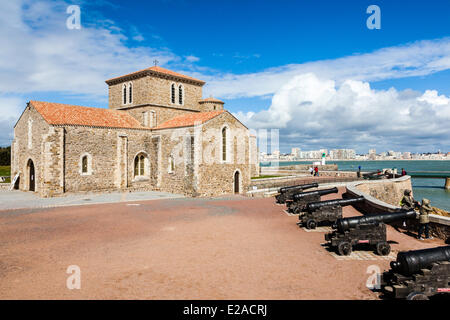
{"x": 21, "y": 200}
{"x": 224, "y": 248}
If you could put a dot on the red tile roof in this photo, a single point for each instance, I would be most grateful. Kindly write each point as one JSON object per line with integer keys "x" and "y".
{"x": 157, "y": 69}
{"x": 211, "y": 99}
{"x": 189, "y": 120}
{"x": 65, "y": 114}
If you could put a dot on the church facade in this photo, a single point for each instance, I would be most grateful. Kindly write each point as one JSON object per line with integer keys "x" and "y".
{"x": 157, "y": 134}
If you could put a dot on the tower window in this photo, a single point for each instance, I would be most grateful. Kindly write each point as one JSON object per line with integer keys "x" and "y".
{"x": 124, "y": 94}
{"x": 130, "y": 93}
{"x": 180, "y": 94}
{"x": 172, "y": 93}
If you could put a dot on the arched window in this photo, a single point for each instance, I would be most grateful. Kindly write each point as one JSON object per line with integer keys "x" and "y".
{"x": 85, "y": 168}
{"x": 130, "y": 93}
{"x": 124, "y": 94}
{"x": 140, "y": 165}
{"x": 172, "y": 93}
{"x": 84, "y": 164}
{"x": 224, "y": 144}
{"x": 180, "y": 94}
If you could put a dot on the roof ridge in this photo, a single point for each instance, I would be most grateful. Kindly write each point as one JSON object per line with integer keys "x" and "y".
{"x": 160, "y": 70}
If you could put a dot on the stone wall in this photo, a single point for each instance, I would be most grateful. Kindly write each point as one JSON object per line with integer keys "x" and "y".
{"x": 215, "y": 175}
{"x": 389, "y": 190}
{"x": 305, "y": 167}
{"x": 45, "y": 141}
{"x": 162, "y": 114}
{"x": 278, "y": 182}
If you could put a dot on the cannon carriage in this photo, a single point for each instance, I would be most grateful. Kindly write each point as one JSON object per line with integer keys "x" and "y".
{"x": 329, "y": 211}
{"x": 418, "y": 274}
{"x": 370, "y": 230}
{"x": 286, "y": 193}
{"x": 300, "y": 200}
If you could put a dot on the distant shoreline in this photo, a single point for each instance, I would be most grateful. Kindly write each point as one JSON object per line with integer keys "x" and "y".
{"x": 318, "y": 160}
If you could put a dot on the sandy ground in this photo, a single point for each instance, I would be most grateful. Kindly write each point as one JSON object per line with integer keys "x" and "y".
{"x": 224, "y": 248}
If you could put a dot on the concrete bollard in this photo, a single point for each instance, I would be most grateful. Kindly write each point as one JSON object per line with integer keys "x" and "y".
{"x": 447, "y": 183}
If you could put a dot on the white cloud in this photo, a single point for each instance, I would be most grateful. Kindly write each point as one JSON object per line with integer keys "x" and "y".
{"x": 40, "y": 54}
{"x": 313, "y": 112}
{"x": 414, "y": 59}
{"x": 192, "y": 58}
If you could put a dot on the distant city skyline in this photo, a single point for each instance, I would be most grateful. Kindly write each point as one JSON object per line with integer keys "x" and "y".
{"x": 350, "y": 154}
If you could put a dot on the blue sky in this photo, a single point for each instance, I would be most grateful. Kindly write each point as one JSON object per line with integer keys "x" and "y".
{"x": 263, "y": 58}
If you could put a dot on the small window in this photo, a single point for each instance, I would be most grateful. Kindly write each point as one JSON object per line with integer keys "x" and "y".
{"x": 172, "y": 93}
{"x": 192, "y": 149}
{"x": 224, "y": 144}
{"x": 124, "y": 94}
{"x": 180, "y": 94}
{"x": 84, "y": 164}
{"x": 171, "y": 164}
{"x": 85, "y": 168}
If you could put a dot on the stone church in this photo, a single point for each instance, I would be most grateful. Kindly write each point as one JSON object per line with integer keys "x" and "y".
{"x": 157, "y": 134}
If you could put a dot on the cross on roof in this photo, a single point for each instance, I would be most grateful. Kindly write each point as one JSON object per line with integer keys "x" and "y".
{"x": 155, "y": 62}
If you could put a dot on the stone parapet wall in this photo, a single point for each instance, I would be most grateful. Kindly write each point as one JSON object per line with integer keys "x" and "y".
{"x": 305, "y": 167}
{"x": 282, "y": 171}
{"x": 385, "y": 195}
{"x": 293, "y": 180}
{"x": 4, "y": 186}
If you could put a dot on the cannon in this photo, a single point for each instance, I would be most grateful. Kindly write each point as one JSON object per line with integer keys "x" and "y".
{"x": 324, "y": 211}
{"x": 418, "y": 274}
{"x": 374, "y": 175}
{"x": 370, "y": 230}
{"x": 300, "y": 200}
{"x": 286, "y": 193}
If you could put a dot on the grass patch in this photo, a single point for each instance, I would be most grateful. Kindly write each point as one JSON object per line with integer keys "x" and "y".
{"x": 265, "y": 176}
{"x": 5, "y": 171}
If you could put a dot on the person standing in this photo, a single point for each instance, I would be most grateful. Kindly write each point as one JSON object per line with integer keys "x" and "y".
{"x": 407, "y": 202}
{"x": 311, "y": 171}
{"x": 403, "y": 172}
{"x": 424, "y": 219}
{"x": 316, "y": 171}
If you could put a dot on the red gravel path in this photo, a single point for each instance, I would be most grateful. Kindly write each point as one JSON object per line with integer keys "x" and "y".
{"x": 236, "y": 248}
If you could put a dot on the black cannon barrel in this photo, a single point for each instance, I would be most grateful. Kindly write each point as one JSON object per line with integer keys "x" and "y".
{"x": 344, "y": 224}
{"x": 341, "y": 202}
{"x": 300, "y": 186}
{"x": 409, "y": 262}
{"x": 371, "y": 173}
{"x": 301, "y": 195}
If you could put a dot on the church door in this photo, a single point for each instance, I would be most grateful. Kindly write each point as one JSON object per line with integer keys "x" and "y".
{"x": 236, "y": 182}
{"x": 31, "y": 175}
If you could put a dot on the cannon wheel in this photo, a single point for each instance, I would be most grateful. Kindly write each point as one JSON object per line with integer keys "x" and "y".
{"x": 383, "y": 248}
{"x": 417, "y": 296}
{"x": 311, "y": 224}
{"x": 344, "y": 248}
{"x": 297, "y": 210}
